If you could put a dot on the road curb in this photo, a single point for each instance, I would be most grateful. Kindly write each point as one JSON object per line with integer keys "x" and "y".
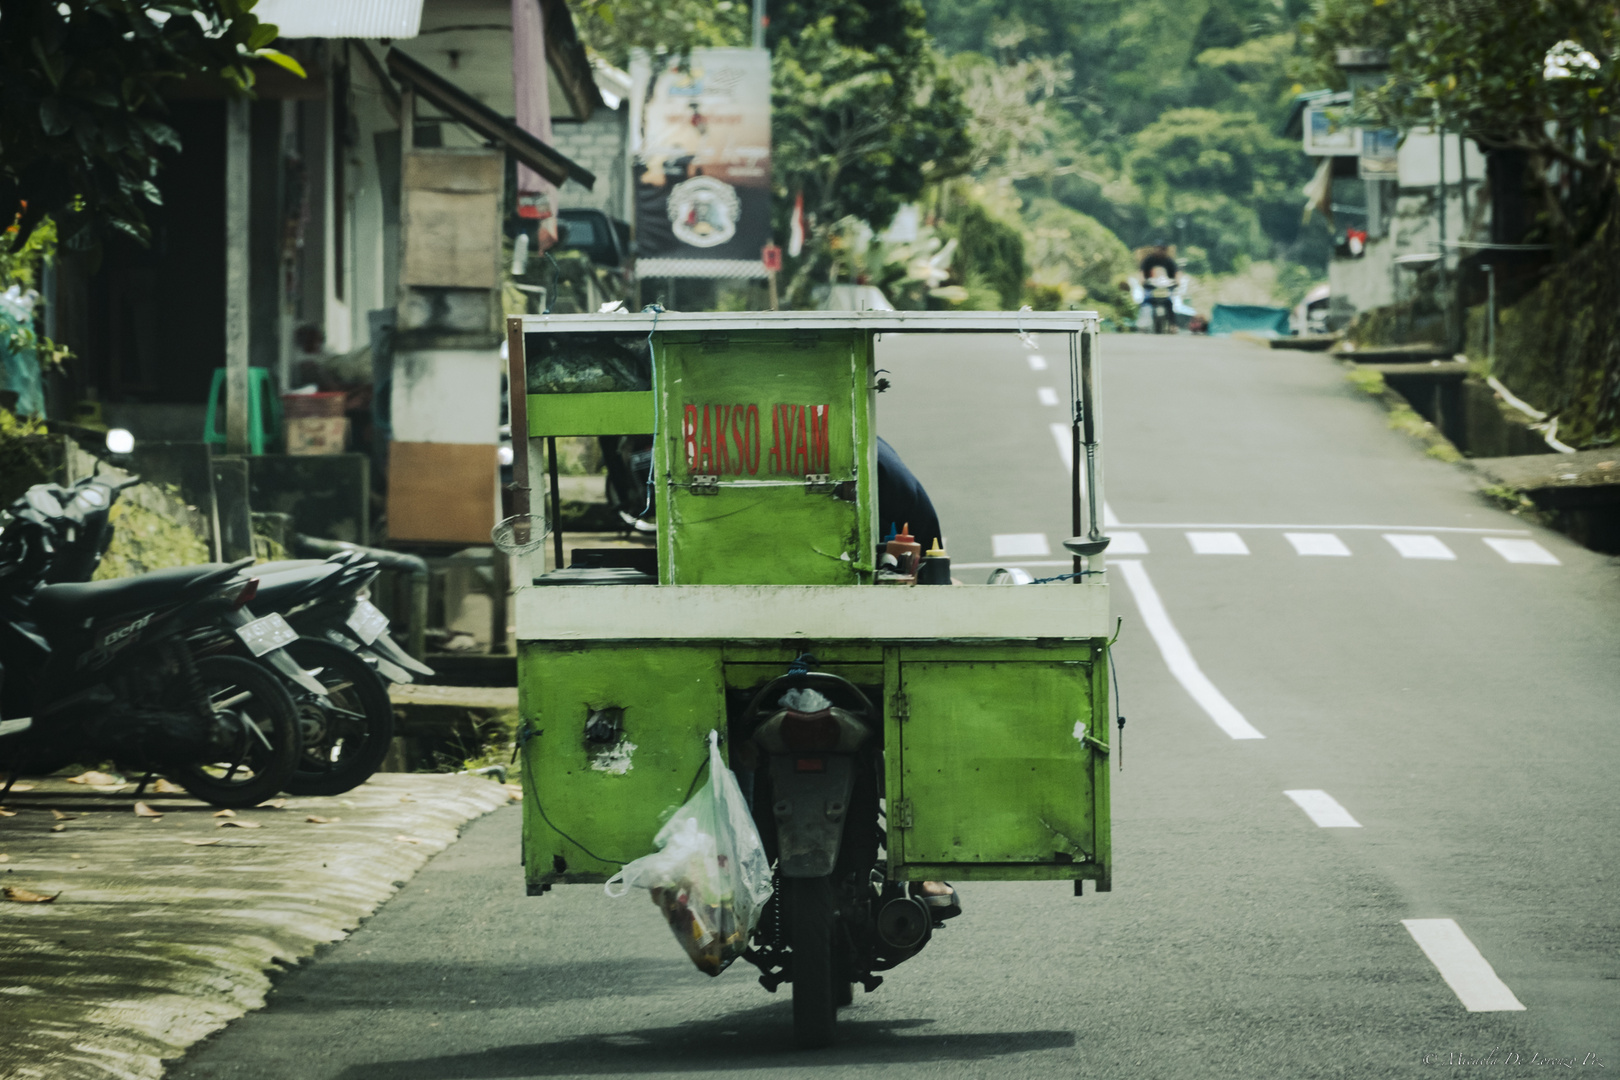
{"x": 153, "y": 943}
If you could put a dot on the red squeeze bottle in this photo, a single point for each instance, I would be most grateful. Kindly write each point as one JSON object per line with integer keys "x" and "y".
{"x": 906, "y": 550}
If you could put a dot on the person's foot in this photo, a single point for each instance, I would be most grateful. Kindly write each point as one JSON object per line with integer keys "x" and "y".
{"x": 939, "y": 897}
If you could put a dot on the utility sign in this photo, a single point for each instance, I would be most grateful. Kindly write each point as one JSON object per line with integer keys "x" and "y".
{"x": 702, "y": 131}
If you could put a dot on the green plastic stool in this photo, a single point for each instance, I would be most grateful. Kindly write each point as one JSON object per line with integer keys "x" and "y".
{"x": 264, "y": 410}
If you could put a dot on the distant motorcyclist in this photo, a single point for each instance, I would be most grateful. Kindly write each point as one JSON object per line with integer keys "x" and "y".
{"x": 1160, "y": 279}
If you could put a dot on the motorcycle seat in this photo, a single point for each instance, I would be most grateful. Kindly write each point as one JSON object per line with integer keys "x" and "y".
{"x": 281, "y": 566}
{"x": 287, "y": 588}
{"x": 64, "y": 605}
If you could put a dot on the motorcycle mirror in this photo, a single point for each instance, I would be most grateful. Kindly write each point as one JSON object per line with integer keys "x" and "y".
{"x": 1086, "y": 545}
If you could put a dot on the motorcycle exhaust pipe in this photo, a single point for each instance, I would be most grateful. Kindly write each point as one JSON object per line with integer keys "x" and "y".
{"x": 904, "y": 923}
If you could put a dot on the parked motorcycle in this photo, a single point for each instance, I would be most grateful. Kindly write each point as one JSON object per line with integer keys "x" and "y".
{"x": 346, "y": 719}
{"x": 833, "y": 920}
{"x": 347, "y": 731}
{"x": 136, "y": 670}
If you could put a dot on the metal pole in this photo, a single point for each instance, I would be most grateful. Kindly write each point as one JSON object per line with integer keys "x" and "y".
{"x": 1445, "y": 292}
{"x": 236, "y": 275}
{"x": 759, "y": 24}
{"x": 1490, "y": 316}
{"x": 556, "y": 502}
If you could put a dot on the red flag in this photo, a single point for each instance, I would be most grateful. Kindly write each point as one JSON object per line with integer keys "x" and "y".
{"x": 796, "y": 227}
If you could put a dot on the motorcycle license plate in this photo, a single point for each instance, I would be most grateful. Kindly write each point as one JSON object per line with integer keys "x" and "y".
{"x": 266, "y": 634}
{"x": 367, "y": 621}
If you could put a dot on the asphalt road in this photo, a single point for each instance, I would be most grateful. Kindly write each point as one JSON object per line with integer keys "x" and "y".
{"x": 1460, "y": 711}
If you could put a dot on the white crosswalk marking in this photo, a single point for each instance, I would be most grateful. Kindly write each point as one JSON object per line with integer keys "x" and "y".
{"x": 1047, "y": 395}
{"x": 1316, "y": 544}
{"x": 1522, "y": 551}
{"x": 1012, "y": 544}
{"x": 1419, "y": 546}
{"x": 1465, "y": 970}
{"x": 1037, "y": 362}
{"x": 1323, "y": 809}
{"x": 1217, "y": 543}
{"x": 1127, "y": 543}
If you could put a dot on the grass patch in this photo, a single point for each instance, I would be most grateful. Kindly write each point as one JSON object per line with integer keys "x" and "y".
{"x": 1368, "y": 382}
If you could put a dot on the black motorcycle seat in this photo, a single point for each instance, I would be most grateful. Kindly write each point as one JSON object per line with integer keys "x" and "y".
{"x": 281, "y": 566}
{"x": 64, "y": 605}
{"x": 283, "y": 589}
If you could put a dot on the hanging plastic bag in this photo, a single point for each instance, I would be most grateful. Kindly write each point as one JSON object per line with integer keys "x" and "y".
{"x": 709, "y": 875}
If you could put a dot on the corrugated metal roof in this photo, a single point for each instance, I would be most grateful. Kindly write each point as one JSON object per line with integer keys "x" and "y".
{"x": 342, "y": 18}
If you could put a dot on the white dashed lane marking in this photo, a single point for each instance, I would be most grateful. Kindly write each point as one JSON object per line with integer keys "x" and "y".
{"x": 1460, "y": 963}
{"x": 1177, "y": 657}
{"x": 1419, "y": 546}
{"x": 1047, "y": 395}
{"x": 1003, "y": 545}
{"x": 1217, "y": 543}
{"x": 1522, "y": 551}
{"x": 1316, "y": 544}
{"x": 1127, "y": 543}
{"x": 1323, "y": 809}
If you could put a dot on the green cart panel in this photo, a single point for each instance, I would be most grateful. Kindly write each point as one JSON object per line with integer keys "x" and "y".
{"x": 610, "y": 799}
{"x": 745, "y": 419}
{"x": 991, "y": 769}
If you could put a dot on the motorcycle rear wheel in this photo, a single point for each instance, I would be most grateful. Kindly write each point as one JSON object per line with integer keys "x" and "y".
{"x": 811, "y": 911}
{"x": 351, "y": 730}
{"x": 244, "y": 771}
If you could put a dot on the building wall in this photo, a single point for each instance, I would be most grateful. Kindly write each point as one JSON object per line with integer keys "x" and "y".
{"x": 600, "y": 144}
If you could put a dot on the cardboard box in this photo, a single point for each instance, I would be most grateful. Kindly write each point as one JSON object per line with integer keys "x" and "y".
{"x": 317, "y": 434}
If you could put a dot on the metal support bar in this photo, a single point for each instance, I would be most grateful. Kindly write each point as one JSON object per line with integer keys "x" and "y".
{"x": 556, "y": 500}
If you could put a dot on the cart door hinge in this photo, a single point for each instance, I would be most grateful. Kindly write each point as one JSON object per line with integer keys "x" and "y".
{"x": 817, "y": 483}
{"x": 705, "y": 485}
{"x": 902, "y": 707}
{"x": 902, "y": 814}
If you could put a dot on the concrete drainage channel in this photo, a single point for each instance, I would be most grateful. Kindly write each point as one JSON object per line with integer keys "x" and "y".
{"x": 1462, "y": 418}
{"x": 126, "y": 937}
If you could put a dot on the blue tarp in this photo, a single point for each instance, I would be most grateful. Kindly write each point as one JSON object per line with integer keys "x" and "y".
{"x": 1251, "y": 318}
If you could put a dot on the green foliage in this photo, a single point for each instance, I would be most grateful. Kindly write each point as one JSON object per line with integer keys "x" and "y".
{"x": 144, "y": 540}
{"x": 865, "y": 115}
{"x": 615, "y": 27}
{"x": 81, "y": 90}
{"x": 1225, "y": 174}
{"x": 1163, "y": 115}
{"x": 990, "y": 257}
{"x": 1068, "y": 248}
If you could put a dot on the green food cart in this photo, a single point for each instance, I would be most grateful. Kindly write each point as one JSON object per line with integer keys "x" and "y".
{"x": 992, "y": 731}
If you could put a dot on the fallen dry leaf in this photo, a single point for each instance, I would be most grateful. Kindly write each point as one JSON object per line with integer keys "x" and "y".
{"x": 203, "y": 843}
{"x": 7, "y": 813}
{"x": 406, "y": 798}
{"x": 315, "y": 819}
{"x": 142, "y": 810}
{"x": 273, "y": 804}
{"x": 94, "y": 778}
{"x": 58, "y": 828}
{"x": 514, "y": 792}
{"x": 5, "y": 858}
{"x": 226, "y": 813}
{"x": 241, "y": 824}
{"x": 59, "y": 816}
{"x": 20, "y": 787}
{"x": 26, "y": 896}
{"x": 410, "y": 839}
{"x": 161, "y": 786}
